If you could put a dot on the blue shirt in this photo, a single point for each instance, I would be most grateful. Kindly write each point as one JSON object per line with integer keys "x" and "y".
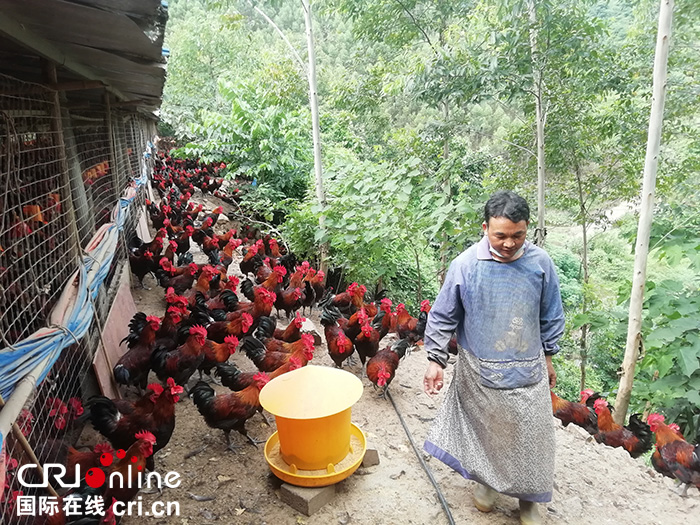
{"x": 505, "y": 313}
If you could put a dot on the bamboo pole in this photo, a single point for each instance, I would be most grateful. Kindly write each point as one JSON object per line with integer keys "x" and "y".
{"x": 651, "y": 162}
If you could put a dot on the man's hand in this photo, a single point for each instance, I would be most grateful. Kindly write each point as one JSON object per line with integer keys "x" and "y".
{"x": 550, "y": 371}
{"x": 432, "y": 381}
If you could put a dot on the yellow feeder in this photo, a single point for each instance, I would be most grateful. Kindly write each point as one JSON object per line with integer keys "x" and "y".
{"x": 315, "y": 443}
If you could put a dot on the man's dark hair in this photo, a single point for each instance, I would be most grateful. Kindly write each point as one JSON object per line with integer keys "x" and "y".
{"x": 507, "y": 204}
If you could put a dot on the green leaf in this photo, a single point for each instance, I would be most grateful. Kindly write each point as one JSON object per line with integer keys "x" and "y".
{"x": 664, "y": 364}
{"x": 689, "y": 360}
{"x": 693, "y": 396}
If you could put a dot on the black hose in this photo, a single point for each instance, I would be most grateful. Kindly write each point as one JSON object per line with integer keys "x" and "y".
{"x": 440, "y": 496}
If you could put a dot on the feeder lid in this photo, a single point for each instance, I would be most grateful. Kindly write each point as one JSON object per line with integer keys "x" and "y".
{"x": 311, "y": 392}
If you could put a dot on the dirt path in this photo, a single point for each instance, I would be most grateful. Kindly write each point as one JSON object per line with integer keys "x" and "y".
{"x": 593, "y": 484}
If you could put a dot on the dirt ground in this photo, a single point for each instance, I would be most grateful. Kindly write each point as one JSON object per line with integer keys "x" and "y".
{"x": 593, "y": 484}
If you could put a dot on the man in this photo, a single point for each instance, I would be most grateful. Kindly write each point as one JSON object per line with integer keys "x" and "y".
{"x": 502, "y": 298}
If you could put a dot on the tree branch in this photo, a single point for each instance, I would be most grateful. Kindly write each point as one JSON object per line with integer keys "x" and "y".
{"x": 415, "y": 22}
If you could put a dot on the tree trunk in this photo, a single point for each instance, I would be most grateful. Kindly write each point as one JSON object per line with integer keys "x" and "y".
{"x": 313, "y": 100}
{"x": 448, "y": 191}
{"x": 634, "y": 326}
{"x": 583, "y": 344}
{"x": 419, "y": 283}
{"x": 540, "y": 231}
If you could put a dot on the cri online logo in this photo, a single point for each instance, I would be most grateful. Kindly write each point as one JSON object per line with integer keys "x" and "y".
{"x": 95, "y": 477}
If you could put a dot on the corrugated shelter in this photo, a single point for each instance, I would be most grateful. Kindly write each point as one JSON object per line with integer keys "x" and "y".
{"x": 80, "y": 87}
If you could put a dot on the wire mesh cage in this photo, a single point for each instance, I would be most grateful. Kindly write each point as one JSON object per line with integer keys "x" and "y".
{"x": 37, "y": 241}
{"x": 49, "y": 422}
{"x": 60, "y": 179}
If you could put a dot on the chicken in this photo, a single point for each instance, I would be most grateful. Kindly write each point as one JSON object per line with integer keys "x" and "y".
{"x": 292, "y": 332}
{"x": 141, "y": 265}
{"x": 272, "y": 283}
{"x": 214, "y": 215}
{"x": 381, "y": 368}
{"x": 133, "y": 367}
{"x": 576, "y": 413}
{"x": 288, "y": 300}
{"x": 408, "y": 326}
{"x": 339, "y": 345}
{"x": 181, "y": 362}
{"x": 202, "y": 284}
{"x": 118, "y": 419}
{"x": 238, "y": 326}
{"x": 169, "y": 254}
{"x": 232, "y": 376}
{"x": 262, "y": 304}
{"x": 347, "y": 302}
{"x": 215, "y": 353}
{"x": 367, "y": 342}
{"x": 266, "y": 361}
{"x": 635, "y": 439}
{"x": 130, "y": 466}
{"x": 388, "y": 321}
{"x": 674, "y": 454}
{"x": 250, "y": 259}
{"x": 183, "y": 240}
{"x": 229, "y": 411}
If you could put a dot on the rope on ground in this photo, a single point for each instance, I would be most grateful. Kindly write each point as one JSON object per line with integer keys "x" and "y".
{"x": 440, "y": 496}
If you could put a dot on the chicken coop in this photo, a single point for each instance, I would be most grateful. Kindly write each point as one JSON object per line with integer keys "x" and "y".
{"x": 80, "y": 87}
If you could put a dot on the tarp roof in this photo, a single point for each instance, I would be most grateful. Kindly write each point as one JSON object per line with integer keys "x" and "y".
{"x": 117, "y": 42}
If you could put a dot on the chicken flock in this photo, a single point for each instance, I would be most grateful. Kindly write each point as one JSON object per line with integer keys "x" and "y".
{"x": 213, "y": 311}
{"x": 673, "y": 456}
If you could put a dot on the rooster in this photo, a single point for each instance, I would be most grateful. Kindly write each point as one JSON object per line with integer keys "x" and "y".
{"x": 293, "y": 331}
{"x": 215, "y": 353}
{"x": 130, "y": 466}
{"x": 239, "y": 325}
{"x": 347, "y": 302}
{"x": 266, "y": 361}
{"x": 181, "y": 362}
{"x": 381, "y": 368}
{"x": 289, "y": 300}
{"x": 141, "y": 265}
{"x": 635, "y": 438}
{"x": 673, "y": 454}
{"x": 576, "y": 413}
{"x": 229, "y": 411}
{"x": 339, "y": 345}
{"x": 367, "y": 342}
{"x": 117, "y": 419}
{"x": 408, "y": 326}
{"x": 133, "y": 367}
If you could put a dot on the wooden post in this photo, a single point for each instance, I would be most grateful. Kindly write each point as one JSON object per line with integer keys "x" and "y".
{"x": 110, "y": 139}
{"x": 51, "y": 77}
{"x": 651, "y": 162}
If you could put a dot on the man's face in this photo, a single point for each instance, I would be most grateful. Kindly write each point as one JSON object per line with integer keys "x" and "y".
{"x": 505, "y": 236}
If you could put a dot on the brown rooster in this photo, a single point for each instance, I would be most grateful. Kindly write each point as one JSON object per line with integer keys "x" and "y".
{"x": 229, "y": 411}
{"x": 635, "y": 438}
{"x": 180, "y": 363}
{"x": 133, "y": 367}
{"x": 381, "y": 368}
{"x": 576, "y": 413}
{"x": 674, "y": 454}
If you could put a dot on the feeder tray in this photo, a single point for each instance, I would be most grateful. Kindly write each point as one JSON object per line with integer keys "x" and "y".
{"x": 317, "y": 478}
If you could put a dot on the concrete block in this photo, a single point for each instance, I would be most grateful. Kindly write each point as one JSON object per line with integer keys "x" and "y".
{"x": 305, "y": 499}
{"x": 371, "y": 457}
